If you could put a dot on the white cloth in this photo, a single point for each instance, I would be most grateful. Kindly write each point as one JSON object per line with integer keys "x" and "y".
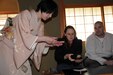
{"x": 95, "y": 49}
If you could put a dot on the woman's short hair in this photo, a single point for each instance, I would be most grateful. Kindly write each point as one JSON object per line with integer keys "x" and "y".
{"x": 48, "y": 6}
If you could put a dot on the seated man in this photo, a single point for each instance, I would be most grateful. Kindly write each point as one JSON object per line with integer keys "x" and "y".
{"x": 99, "y": 47}
{"x": 68, "y": 56}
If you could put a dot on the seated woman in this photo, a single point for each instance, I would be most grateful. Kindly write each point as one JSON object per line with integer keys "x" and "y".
{"x": 68, "y": 56}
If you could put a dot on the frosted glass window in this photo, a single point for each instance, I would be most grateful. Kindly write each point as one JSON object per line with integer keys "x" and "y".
{"x": 70, "y": 20}
{"x": 97, "y": 11}
{"x": 83, "y": 19}
{"x": 109, "y": 26}
{"x": 108, "y": 12}
{"x": 109, "y": 18}
{"x": 80, "y": 28}
{"x": 69, "y": 12}
{"x": 79, "y": 20}
{"x": 97, "y": 18}
{"x": 89, "y": 28}
{"x": 81, "y": 35}
{"x": 79, "y": 12}
{"x": 88, "y": 19}
{"x": 88, "y": 11}
{"x": 108, "y": 9}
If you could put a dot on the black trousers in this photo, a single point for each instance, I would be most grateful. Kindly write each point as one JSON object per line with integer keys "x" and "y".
{"x": 89, "y": 63}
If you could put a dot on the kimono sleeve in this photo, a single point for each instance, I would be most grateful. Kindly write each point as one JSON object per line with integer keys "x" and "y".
{"x": 23, "y": 27}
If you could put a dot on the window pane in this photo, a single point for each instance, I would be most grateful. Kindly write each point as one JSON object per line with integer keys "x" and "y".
{"x": 96, "y": 11}
{"x": 79, "y": 20}
{"x": 88, "y": 19}
{"x": 12, "y": 15}
{"x": 80, "y": 28}
{"x": 109, "y": 26}
{"x": 87, "y": 11}
{"x": 78, "y": 11}
{"x": 89, "y": 28}
{"x": 97, "y": 18}
{"x": 81, "y": 36}
{"x": 70, "y": 20}
{"x": 69, "y": 11}
{"x": 3, "y": 16}
{"x": 110, "y": 31}
{"x": 108, "y": 18}
{"x": 2, "y": 22}
{"x": 108, "y": 9}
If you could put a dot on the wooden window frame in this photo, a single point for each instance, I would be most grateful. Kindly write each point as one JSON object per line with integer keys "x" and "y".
{"x": 62, "y": 7}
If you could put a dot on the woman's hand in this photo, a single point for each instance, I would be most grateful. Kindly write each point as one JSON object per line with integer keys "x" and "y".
{"x": 51, "y": 41}
{"x": 68, "y": 56}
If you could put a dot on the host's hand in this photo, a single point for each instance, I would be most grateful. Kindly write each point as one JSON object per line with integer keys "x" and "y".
{"x": 52, "y": 41}
{"x": 55, "y": 42}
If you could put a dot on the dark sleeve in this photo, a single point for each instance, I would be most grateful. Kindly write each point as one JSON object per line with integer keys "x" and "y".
{"x": 79, "y": 47}
{"x": 59, "y": 54}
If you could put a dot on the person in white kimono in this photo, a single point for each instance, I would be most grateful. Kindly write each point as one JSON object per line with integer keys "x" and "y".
{"x": 24, "y": 38}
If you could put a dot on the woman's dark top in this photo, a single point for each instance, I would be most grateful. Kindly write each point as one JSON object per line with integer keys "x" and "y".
{"x": 61, "y": 51}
